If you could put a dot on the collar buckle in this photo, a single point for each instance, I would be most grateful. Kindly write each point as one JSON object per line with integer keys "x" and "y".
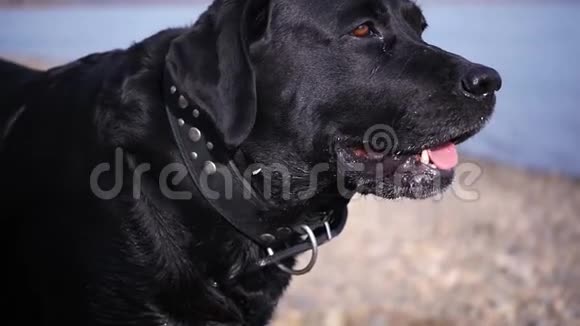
{"x": 313, "y": 258}
{"x": 310, "y": 241}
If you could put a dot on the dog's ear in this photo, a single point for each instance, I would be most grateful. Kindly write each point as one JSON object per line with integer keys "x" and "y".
{"x": 211, "y": 64}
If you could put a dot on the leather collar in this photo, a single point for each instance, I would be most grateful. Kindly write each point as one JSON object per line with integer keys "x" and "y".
{"x": 228, "y": 192}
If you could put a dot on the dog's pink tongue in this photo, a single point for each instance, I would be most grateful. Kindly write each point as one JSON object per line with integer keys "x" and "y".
{"x": 444, "y": 157}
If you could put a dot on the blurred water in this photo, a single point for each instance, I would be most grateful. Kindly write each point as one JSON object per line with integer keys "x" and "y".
{"x": 535, "y": 47}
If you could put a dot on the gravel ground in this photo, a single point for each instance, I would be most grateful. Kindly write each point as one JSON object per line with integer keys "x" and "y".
{"x": 508, "y": 256}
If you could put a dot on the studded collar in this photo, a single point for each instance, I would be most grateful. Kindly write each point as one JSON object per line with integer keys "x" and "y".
{"x": 228, "y": 191}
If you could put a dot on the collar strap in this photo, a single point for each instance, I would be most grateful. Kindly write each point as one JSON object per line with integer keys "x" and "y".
{"x": 229, "y": 193}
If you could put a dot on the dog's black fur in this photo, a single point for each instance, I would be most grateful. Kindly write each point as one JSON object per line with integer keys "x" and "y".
{"x": 286, "y": 81}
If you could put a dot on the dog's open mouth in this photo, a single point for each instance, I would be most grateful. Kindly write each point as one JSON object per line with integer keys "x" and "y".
{"x": 389, "y": 173}
{"x": 443, "y": 157}
{"x": 361, "y": 159}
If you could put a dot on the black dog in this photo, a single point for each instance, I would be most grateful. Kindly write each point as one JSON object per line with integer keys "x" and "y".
{"x": 172, "y": 183}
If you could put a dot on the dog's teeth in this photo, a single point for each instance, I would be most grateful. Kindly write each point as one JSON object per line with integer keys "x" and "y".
{"x": 433, "y": 166}
{"x": 425, "y": 157}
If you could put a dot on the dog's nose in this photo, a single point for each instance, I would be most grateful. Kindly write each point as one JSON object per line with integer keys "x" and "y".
{"x": 481, "y": 80}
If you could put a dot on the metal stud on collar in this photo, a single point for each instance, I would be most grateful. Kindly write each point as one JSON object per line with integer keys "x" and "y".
{"x": 195, "y": 113}
{"x": 173, "y": 89}
{"x": 182, "y": 102}
{"x": 194, "y": 135}
{"x": 313, "y": 258}
{"x": 210, "y": 168}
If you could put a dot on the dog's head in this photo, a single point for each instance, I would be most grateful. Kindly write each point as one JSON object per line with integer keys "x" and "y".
{"x": 347, "y": 83}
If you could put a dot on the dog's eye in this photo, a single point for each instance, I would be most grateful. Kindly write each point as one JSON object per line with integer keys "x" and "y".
{"x": 363, "y": 30}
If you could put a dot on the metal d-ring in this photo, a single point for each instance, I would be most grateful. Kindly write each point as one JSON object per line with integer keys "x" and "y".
{"x": 313, "y": 258}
